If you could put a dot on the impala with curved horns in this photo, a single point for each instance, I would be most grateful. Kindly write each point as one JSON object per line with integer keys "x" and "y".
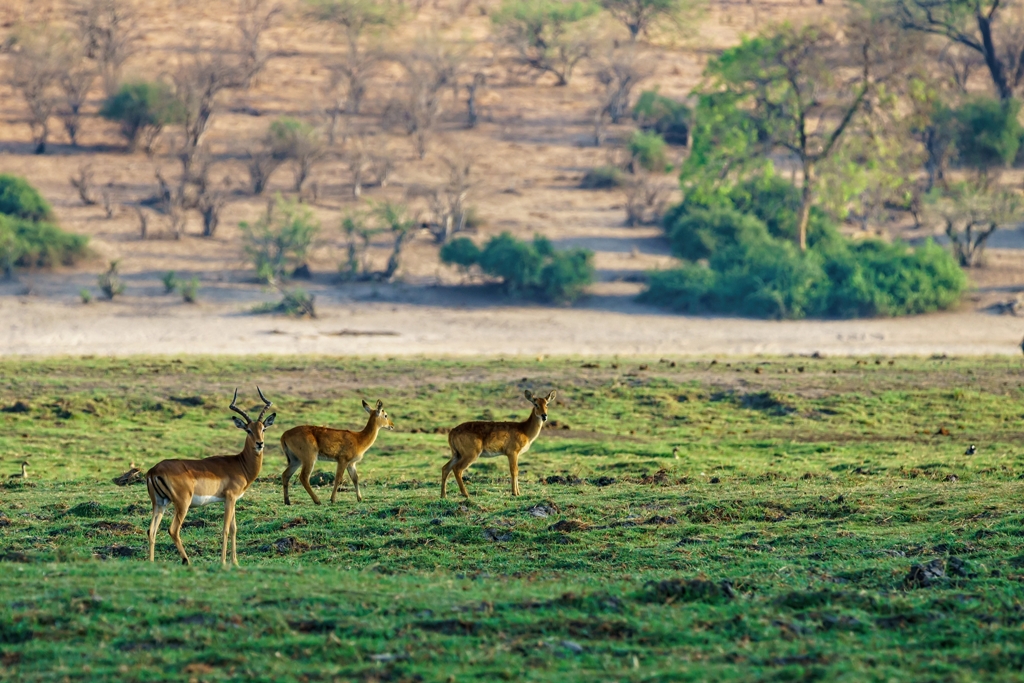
{"x": 220, "y": 479}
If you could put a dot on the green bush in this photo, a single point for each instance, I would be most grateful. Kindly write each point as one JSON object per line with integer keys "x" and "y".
{"x": 527, "y": 268}
{"x": 664, "y": 116}
{"x": 280, "y": 240}
{"x": 142, "y": 109}
{"x": 647, "y": 149}
{"x": 461, "y": 252}
{"x": 29, "y": 244}
{"x": 21, "y": 200}
{"x": 988, "y": 133}
{"x": 752, "y": 267}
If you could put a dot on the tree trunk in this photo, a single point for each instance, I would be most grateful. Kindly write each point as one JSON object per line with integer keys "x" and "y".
{"x": 995, "y": 65}
{"x": 805, "y": 205}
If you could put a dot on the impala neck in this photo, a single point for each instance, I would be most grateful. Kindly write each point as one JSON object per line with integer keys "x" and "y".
{"x": 532, "y": 425}
{"x": 252, "y": 462}
{"x": 370, "y": 431}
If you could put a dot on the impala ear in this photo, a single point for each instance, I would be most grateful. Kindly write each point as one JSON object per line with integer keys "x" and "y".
{"x": 269, "y": 422}
{"x": 529, "y": 395}
{"x": 240, "y": 424}
{"x": 366, "y": 407}
{"x": 551, "y": 396}
{"x": 380, "y": 404}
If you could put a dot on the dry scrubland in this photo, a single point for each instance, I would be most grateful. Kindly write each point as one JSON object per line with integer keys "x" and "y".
{"x": 821, "y": 522}
{"x": 527, "y": 154}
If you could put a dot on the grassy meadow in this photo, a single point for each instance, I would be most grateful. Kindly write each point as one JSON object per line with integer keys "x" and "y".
{"x": 738, "y": 519}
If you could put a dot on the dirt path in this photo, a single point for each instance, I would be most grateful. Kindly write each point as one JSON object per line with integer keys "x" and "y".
{"x": 42, "y": 327}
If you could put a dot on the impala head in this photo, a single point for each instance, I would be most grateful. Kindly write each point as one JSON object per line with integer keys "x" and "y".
{"x": 540, "y": 405}
{"x": 254, "y": 428}
{"x": 380, "y": 415}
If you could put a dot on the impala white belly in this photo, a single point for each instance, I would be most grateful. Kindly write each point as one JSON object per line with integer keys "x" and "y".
{"x": 491, "y": 454}
{"x": 198, "y": 501}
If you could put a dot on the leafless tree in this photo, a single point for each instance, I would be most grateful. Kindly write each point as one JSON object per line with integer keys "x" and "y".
{"x": 199, "y": 81}
{"x": 299, "y": 142}
{"x": 353, "y": 20}
{"x": 261, "y": 163}
{"x": 448, "y": 200}
{"x": 617, "y": 73}
{"x": 431, "y": 68}
{"x": 645, "y": 199}
{"x": 83, "y": 183}
{"x": 75, "y": 83}
{"x": 357, "y": 158}
{"x": 110, "y": 33}
{"x": 36, "y": 72}
{"x": 255, "y": 17}
{"x": 475, "y": 84}
{"x": 143, "y": 222}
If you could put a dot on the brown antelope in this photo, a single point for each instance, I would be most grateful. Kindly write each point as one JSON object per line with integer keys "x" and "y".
{"x": 222, "y": 478}
{"x": 470, "y": 440}
{"x": 306, "y": 444}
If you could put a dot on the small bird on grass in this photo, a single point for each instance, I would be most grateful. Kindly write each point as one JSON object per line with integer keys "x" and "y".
{"x": 23, "y": 474}
{"x": 675, "y": 452}
{"x": 971, "y": 450}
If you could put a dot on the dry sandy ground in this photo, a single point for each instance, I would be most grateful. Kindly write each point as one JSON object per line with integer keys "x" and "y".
{"x": 411, "y": 325}
{"x": 528, "y": 154}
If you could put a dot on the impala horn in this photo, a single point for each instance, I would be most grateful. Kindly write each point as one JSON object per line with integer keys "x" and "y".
{"x": 266, "y": 407}
{"x": 239, "y": 410}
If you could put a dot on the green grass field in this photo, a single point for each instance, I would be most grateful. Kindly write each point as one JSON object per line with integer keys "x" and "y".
{"x": 776, "y": 546}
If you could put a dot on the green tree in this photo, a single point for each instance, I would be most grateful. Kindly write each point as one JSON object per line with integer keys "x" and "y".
{"x": 796, "y": 90}
{"x": 298, "y": 141}
{"x": 547, "y": 35}
{"x": 394, "y": 217}
{"x": 142, "y": 110}
{"x": 989, "y": 28}
{"x": 280, "y": 240}
{"x": 640, "y": 16}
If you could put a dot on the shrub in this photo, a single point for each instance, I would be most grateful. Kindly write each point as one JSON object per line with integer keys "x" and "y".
{"x": 988, "y": 132}
{"x": 296, "y": 302}
{"x": 110, "y": 282}
{"x": 752, "y": 268}
{"x": 171, "y": 282}
{"x": 280, "y": 240}
{"x": 21, "y": 200}
{"x": 461, "y": 252}
{"x": 190, "y": 290}
{"x": 647, "y": 149}
{"x": 29, "y": 244}
{"x": 142, "y": 109}
{"x": 298, "y": 141}
{"x": 85, "y": 294}
{"x": 603, "y": 178}
{"x": 664, "y": 116}
{"x": 527, "y": 268}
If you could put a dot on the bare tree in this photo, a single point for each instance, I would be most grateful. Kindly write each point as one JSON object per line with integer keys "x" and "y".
{"x": 431, "y": 68}
{"x": 645, "y": 199}
{"x": 36, "y": 73}
{"x": 199, "y": 81}
{"x": 617, "y": 73}
{"x": 299, "y": 142}
{"x": 75, "y": 83}
{"x": 549, "y": 37}
{"x": 255, "y": 17}
{"x": 639, "y": 16}
{"x": 83, "y": 183}
{"x": 109, "y": 30}
{"x": 448, "y": 201}
{"x": 261, "y": 163}
{"x": 970, "y": 212}
{"x": 475, "y": 84}
{"x": 352, "y": 20}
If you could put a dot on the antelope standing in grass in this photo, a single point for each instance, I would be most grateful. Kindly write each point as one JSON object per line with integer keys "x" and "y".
{"x": 471, "y": 440}
{"x": 306, "y": 444}
{"x": 220, "y": 479}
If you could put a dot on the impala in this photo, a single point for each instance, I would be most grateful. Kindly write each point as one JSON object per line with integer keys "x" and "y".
{"x": 471, "y": 440}
{"x": 305, "y": 444}
{"x": 220, "y": 479}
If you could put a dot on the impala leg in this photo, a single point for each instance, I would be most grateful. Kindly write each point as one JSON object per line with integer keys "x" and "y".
{"x": 304, "y": 478}
{"x": 154, "y": 529}
{"x": 234, "y": 540}
{"x": 513, "y": 470}
{"x": 339, "y": 474}
{"x": 351, "y": 469}
{"x": 286, "y": 476}
{"x": 461, "y": 467}
{"x": 229, "y": 516}
{"x": 446, "y": 469}
{"x": 180, "y": 510}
